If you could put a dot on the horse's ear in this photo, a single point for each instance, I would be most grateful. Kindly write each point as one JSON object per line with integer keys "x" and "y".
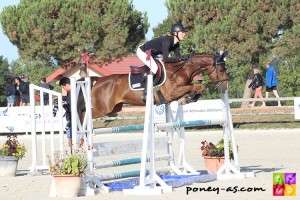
{"x": 222, "y": 56}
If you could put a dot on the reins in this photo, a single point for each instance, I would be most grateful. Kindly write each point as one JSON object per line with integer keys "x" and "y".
{"x": 178, "y": 66}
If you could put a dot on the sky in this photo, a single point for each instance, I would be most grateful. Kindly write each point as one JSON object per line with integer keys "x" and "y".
{"x": 156, "y": 12}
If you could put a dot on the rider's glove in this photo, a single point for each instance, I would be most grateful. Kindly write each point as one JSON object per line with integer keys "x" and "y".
{"x": 185, "y": 57}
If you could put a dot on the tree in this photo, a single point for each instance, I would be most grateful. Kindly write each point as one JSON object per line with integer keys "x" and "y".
{"x": 287, "y": 45}
{"x": 289, "y": 77}
{"x": 4, "y": 71}
{"x": 248, "y": 29}
{"x": 35, "y": 70}
{"x": 59, "y": 30}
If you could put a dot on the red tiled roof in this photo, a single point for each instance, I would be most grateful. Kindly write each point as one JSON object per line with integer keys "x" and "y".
{"x": 122, "y": 66}
{"x": 57, "y": 75}
{"x": 115, "y": 67}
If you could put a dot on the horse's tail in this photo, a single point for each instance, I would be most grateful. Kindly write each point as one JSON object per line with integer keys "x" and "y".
{"x": 81, "y": 108}
{"x": 81, "y": 104}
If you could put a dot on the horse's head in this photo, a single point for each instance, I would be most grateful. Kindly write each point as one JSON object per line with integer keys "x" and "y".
{"x": 214, "y": 66}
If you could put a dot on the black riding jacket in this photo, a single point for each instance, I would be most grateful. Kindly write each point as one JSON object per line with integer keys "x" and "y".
{"x": 163, "y": 45}
{"x": 257, "y": 81}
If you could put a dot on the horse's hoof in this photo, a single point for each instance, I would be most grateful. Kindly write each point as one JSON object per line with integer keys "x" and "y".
{"x": 183, "y": 101}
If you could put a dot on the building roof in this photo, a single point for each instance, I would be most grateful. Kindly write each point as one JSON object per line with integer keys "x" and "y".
{"x": 121, "y": 66}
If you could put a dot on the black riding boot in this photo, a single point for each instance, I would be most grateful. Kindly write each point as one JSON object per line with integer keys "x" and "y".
{"x": 144, "y": 94}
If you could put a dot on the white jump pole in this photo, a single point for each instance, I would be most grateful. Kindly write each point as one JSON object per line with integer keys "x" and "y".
{"x": 230, "y": 128}
{"x": 89, "y": 127}
{"x": 86, "y": 127}
{"x": 148, "y": 147}
{"x": 74, "y": 114}
{"x": 148, "y": 139}
{"x": 225, "y": 172}
{"x": 177, "y": 123}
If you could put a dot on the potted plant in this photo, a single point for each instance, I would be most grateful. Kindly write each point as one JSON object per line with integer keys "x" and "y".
{"x": 67, "y": 170}
{"x": 10, "y": 153}
{"x": 213, "y": 155}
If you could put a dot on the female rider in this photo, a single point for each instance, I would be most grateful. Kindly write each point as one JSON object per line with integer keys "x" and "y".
{"x": 163, "y": 45}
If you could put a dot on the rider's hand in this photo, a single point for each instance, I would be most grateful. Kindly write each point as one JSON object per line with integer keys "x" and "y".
{"x": 185, "y": 57}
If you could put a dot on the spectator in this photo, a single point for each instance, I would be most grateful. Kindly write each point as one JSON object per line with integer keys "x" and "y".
{"x": 47, "y": 86}
{"x": 18, "y": 99}
{"x": 10, "y": 91}
{"x": 257, "y": 84}
{"x": 66, "y": 92}
{"x": 271, "y": 81}
{"x": 24, "y": 89}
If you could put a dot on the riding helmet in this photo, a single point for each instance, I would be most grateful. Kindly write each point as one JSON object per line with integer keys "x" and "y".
{"x": 177, "y": 27}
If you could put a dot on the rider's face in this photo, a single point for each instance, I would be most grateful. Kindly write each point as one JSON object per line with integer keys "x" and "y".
{"x": 181, "y": 35}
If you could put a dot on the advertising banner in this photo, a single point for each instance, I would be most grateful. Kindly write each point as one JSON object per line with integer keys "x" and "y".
{"x": 200, "y": 110}
{"x": 18, "y": 119}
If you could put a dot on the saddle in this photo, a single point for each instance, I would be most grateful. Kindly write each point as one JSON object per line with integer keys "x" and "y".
{"x": 144, "y": 69}
{"x": 139, "y": 70}
{"x": 137, "y": 76}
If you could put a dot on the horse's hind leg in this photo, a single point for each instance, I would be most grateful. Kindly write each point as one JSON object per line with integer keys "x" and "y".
{"x": 116, "y": 109}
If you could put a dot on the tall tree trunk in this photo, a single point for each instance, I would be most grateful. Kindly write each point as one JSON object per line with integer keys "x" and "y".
{"x": 248, "y": 91}
{"x": 85, "y": 57}
{"x": 83, "y": 70}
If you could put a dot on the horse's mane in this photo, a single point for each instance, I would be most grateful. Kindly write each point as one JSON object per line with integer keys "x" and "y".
{"x": 204, "y": 53}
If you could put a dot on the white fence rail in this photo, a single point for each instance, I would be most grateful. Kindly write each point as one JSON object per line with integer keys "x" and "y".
{"x": 51, "y": 128}
{"x": 264, "y": 99}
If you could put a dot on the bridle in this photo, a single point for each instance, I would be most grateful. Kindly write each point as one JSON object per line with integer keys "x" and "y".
{"x": 218, "y": 82}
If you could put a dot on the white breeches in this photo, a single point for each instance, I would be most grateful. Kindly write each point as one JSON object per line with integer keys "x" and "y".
{"x": 150, "y": 63}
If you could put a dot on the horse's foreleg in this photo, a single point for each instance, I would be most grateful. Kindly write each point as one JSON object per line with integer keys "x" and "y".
{"x": 198, "y": 89}
{"x": 183, "y": 90}
{"x": 194, "y": 92}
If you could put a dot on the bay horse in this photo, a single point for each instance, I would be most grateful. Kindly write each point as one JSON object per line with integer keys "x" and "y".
{"x": 109, "y": 93}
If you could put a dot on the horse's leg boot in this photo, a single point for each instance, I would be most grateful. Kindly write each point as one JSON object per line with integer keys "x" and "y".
{"x": 196, "y": 97}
